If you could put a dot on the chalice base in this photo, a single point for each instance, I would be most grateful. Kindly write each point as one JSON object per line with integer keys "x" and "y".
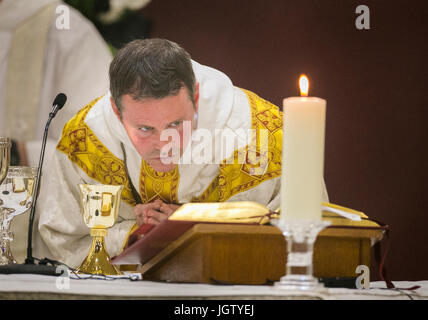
{"x": 6, "y": 256}
{"x": 98, "y": 260}
{"x": 296, "y": 282}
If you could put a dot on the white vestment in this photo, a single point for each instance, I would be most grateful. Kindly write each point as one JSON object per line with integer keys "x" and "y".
{"x": 62, "y": 233}
{"x": 73, "y": 61}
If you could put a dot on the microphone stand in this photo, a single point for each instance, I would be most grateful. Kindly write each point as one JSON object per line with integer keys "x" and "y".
{"x": 30, "y": 266}
{"x": 30, "y": 258}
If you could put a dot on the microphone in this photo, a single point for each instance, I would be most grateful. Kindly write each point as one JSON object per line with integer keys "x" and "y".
{"x": 29, "y": 266}
{"x": 58, "y": 103}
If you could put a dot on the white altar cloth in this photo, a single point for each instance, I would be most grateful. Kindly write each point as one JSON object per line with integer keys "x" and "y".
{"x": 26, "y": 286}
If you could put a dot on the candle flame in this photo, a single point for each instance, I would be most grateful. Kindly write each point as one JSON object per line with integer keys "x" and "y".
{"x": 304, "y": 85}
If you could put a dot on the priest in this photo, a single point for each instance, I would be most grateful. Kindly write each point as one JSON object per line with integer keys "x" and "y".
{"x": 160, "y": 132}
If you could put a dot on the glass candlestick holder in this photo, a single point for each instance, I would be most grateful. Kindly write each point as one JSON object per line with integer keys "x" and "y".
{"x": 300, "y": 235}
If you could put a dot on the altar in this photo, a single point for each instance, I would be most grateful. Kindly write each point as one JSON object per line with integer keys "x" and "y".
{"x": 37, "y": 287}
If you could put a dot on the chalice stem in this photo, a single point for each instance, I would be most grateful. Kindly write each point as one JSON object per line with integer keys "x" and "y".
{"x": 98, "y": 260}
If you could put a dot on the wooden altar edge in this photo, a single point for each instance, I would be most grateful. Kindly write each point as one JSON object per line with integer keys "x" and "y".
{"x": 254, "y": 254}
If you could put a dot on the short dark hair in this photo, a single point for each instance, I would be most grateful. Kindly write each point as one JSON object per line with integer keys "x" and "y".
{"x": 151, "y": 68}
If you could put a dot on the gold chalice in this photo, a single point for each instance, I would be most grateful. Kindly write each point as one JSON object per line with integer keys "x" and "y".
{"x": 100, "y": 208}
{"x": 16, "y": 198}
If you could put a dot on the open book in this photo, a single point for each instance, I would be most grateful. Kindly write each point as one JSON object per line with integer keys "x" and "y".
{"x": 247, "y": 212}
{"x": 148, "y": 240}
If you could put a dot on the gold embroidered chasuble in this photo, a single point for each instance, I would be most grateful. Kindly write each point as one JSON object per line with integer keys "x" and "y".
{"x": 84, "y": 149}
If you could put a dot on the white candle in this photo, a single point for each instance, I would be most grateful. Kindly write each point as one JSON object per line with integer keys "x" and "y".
{"x": 302, "y": 157}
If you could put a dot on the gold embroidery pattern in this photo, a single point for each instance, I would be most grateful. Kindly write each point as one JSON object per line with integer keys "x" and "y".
{"x": 158, "y": 185}
{"x": 83, "y": 148}
{"x": 234, "y": 178}
{"x": 270, "y": 120}
{"x": 210, "y": 194}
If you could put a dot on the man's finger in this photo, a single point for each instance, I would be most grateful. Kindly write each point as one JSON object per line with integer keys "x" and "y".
{"x": 153, "y": 205}
{"x": 138, "y": 210}
{"x": 140, "y": 220}
{"x": 169, "y": 209}
{"x": 151, "y": 220}
{"x": 158, "y": 215}
{"x": 141, "y": 210}
{"x": 166, "y": 209}
{"x": 155, "y": 217}
{"x": 158, "y": 202}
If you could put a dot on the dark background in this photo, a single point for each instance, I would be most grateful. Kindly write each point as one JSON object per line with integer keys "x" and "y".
{"x": 374, "y": 82}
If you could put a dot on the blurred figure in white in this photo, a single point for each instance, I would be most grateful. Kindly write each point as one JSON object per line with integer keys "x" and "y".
{"x": 46, "y": 47}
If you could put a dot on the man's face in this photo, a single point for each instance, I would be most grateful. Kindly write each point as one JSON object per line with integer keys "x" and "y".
{"x": 145, "y": 120}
